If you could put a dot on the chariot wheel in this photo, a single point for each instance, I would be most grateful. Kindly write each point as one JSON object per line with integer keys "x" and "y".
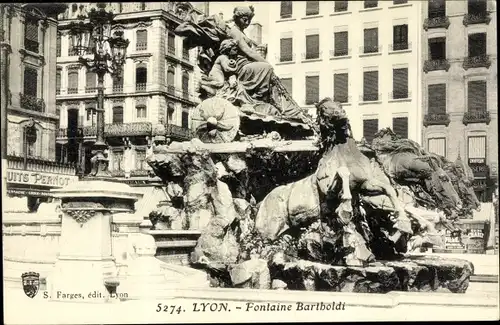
{"x": 215, "y": 120}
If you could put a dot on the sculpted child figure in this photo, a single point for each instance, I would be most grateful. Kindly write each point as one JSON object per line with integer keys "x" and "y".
{"x": 224, "y": 68}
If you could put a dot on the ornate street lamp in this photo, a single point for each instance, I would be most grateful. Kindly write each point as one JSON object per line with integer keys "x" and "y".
{"x": 101, "y": 53}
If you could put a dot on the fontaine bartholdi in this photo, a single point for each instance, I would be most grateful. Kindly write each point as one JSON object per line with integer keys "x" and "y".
{"x": 285, "y": 201}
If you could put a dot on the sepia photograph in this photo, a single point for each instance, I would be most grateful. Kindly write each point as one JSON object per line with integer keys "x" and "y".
{"x": 263, "y": 161}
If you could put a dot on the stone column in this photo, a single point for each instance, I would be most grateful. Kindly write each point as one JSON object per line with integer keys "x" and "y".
{"x": 85, "y": 260}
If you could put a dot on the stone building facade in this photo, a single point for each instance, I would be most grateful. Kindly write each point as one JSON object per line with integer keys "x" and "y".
{"x": 460, "y": 85}
{"x": 153, "y": 100}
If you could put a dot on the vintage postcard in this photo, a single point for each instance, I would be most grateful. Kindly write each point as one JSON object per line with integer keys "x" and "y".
{"x": 212, "y": 162}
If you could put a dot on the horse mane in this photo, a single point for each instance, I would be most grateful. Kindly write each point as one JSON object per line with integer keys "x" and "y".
{"x": 331, "y": 131}
{"x": 395, "y": 144}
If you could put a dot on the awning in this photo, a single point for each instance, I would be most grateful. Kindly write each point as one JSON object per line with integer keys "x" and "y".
{"x": 277, "y": 120}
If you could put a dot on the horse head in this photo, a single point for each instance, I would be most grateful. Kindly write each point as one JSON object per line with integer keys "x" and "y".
{"x": 332, "y": 120}
{"x": 440, "y": 185}
{"x": 462, "y": 177}
{"x": 386, "y": 134}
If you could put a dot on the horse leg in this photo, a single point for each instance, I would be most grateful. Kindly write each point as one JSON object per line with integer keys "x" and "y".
{"x": 344, "y": 175}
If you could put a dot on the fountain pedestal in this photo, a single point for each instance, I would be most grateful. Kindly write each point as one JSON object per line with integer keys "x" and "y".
{"x": 85, "y": 262}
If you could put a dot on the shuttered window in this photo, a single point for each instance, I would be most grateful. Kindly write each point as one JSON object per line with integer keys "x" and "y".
{"x": 312, "y": 8}
{"x": 185, "y": 84}
{"x": 58, "y": 45}
{"x": 341, "y": 40}
{"x": 341, "y": 87}
{"x": 476, "y": 93}
{"x": 370, "y": 128}
{"x": 477, "y": 149}
{"x": 58, "y": 81}
{"x": 437, "y": 99}
{"x": 400, "y": 37}
{"x": 90, "y": 108}
{"x": 117, "y": 115}
{"x": 312, "y": 47}
{"x": 91, "y": 82}
{"x": 437, "y": 146}
{"x": 185, "y": 119}
{"x": 288, "y": 84}
{"x": 477, "y": 44}
{"x": 286, "y": 49}
{"x": 31, "y": 35}
{"x": 171, "y": 43}
{"x": 141, "y": 78}
{"x": 118, "y": 82}
{"x": 400, "y": 83}
{"x": 371, "y": 4}
{"x": 370, "y": 85}
{"x": 171, "y": 79}
{"x": 141, "y": 111}
{"x": 437, "y": 8}
{"x": 400, "y": 126}
{"x": 312, "y": 90}
{"x": 30, "y": 82}
{"x": 286, "y": 9}
{"x": 371, "y": 40}
{"x": 477, "y": 7}
{"x": 141, "y": 40}
{"x": 72, "y": 81}
{"x": 437, "y": 48}
{"x": 341, "y": 6}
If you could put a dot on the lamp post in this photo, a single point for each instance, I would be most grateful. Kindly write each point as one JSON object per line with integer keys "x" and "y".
{"x": 105, "y": 54}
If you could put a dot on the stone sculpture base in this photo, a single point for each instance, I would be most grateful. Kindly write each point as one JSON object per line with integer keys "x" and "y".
{"x": 411, "y": 273}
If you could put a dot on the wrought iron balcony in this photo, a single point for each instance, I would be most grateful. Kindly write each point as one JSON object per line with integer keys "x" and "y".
{"x": 312, "y": 55}
{"x": 32, "y": 103}
{"x": 113, "y": 130}
{"x": 117, "y": 89}
{"x": 400, "y": 94}
{"x": 72, "y": 90}
{"x": 399, "y": 46}
{"x": 476, "y": 117}
{"x": 435, "y": 65}
{"x": 140, "y": 86}
{"x": 477, "y": 18}
{"x": 372, "y": 49}
{"x": 141, "y": 46}
{"x": 178, "y": 132}
{"x": 40, "y": 165}
{"x": 340, "y": 52}
{"x": 436, "y": 119}
{"x": 437, "y": 22}
{"x": 371, "y": 97}
{"x": 285, "y": 57}
{"x": 140, "y": 172}
{"x": 89, "y": 90}
{"x": 482, "y": 61}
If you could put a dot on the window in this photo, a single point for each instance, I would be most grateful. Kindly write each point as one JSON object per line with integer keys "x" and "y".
{"x": 141, "y": 111}
{"x": 476, "y": 96}
{"x": 341, "y": 87}
{"x": 118, "y": 82}
{"x": 477, "y": 149}
{"x": 140, "y": 160}
{"x": 117, "y": 115}
{"x": 371, "y": 40}
{"x": 312, "y": 8}
{"x": 171, "y": 79}
{"x": 288, "y": 84}
{"x": 91, "y": 47}
{"x": 30, "y": 137}
{"x": 143, "y": 6}
{"x": 185, "y": 50}
{"x": 31, "y": 35}
{"x": 72, "y": 81}
{"x": 477, "y": 7}
{"x": 118, "y": 160}
{"x": 341, "y": 6}
{"x": 141, "y": 78}
{"x": 341, "y": 40}
{"x": 370, "y": 128}
{"x": 399, "y": 2}
{"x": 437, "y": 48}
{"x": 400, "y": 126}
{"x": 371, "y": 4}
{"x": 437, "y": 99}
{"x": 171, "y": 43}
{"x": 30, "y": 82}
{"x": 312, "y": 90}
{"x": 91, "y": 82}
{"x": 185, "y": 119}
{"x": 477, "y": 44}
{"x": 286, "y": 9}
{"x": 286, "y": 49}
{"x": 90, "y": 108}
{"x": 58, "y": 45}
{"x": 312, "y": 47}
{"x": 370, "y": 86}
{"x": 141, "y": 40}
{"x": 400, "y": 83}
{"x": 185, "y": 85}
{"x": 400, "y": 37}
{"x": 58, "y": 81}
{"x": 437, "y": 146}
{"x": 437, "y": 8}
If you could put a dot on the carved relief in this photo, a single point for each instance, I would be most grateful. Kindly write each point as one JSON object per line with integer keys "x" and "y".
{"x": 81, "y": 216}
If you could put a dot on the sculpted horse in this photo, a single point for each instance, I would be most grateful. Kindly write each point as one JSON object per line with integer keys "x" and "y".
{"x": 341, "y": 163}
{"x": 407, "y": 163}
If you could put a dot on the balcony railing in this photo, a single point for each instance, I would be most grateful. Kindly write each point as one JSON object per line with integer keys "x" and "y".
{"x": 482, "y": 61}
{"x": 117, "y": 89}
{"x": 140, "y": 86}
{"x": 285, "y": 58}
{"x": 340, "y": 52}
{"x": 72, "y": 90}
{"x": 142, "y": 46}
{"x": 400, "y": 94}
{"x": 437, "y": 22}
{"x": 372, "y": 49}
{"x": 476, "y": 117}
{"x": 32, "y": 103}
{"x": 477, "y": 18}
{"x": 370, "y": 97}
{"x": 171, "y": 50}
{"x": 89, "y": 90}
{"x": 435, "y": 65}
{"x": 399, "y": 46}
{"x": 58, "y": 91}
{"x": 436, "y": 119}
{"x": 125, "y": 129}
{"x": 40, "y": 165}
{"x": 312, "y": 55}
{"x": 178, "y": 132}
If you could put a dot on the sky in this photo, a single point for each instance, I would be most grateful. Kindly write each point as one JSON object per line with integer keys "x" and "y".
{"x": 261, "y": 12}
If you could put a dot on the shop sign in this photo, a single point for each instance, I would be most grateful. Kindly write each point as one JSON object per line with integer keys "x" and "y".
{"x": 15, "y": 176}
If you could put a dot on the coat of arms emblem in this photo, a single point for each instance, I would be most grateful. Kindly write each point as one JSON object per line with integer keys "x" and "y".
{"x": 31, "y": 283}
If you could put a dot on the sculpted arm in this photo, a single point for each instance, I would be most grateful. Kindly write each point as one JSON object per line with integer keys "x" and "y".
{"x": 243, "y": 46}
